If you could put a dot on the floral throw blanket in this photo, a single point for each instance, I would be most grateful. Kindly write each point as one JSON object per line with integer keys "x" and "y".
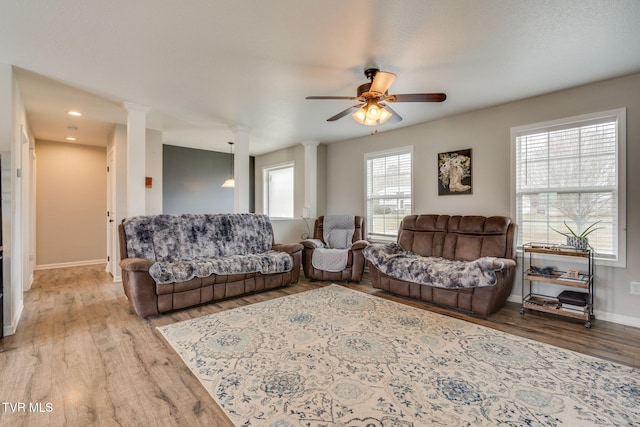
{"x": 395, "y": 262}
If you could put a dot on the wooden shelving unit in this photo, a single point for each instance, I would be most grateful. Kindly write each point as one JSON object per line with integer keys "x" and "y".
{"x": 532, "y": 276}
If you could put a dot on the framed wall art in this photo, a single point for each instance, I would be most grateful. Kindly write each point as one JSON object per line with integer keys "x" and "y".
{"x": 454, "y": 172}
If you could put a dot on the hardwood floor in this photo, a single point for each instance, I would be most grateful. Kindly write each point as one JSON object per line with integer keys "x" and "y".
{"x": 80, "y": 357}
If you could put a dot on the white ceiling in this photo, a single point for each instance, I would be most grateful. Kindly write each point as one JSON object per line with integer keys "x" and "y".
{"x": 204, "y": 66}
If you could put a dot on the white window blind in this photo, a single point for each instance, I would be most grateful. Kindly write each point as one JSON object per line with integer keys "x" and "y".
{"x": 569, "y": 171}
{"x": 389, "y": 191}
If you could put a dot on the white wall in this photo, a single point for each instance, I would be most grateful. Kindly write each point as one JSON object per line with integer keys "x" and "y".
{"x": 117, "y": 142}
{"x": 12, "y": 292}
{"x": 71, "y": 204}
{"x": 15, "y": 142}
{"x": 117, "y": 190}
{"x": 284, "y": 230}
{"x": 487, "y": 133}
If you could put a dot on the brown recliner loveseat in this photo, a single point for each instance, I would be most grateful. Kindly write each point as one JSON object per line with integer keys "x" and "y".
{"x": 458, "y": 238}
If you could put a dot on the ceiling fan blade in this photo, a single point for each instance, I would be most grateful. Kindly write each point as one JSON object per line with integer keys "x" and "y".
{"x": 353, "y": 98}
{"x": 417, "y": 97}
{"x": 343, "y": 113}
{"x": 395, "y": 117}
{"x": 382, "y": 82}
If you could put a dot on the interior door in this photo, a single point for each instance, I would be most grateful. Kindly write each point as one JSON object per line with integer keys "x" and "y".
{"x": 112, "y": 246}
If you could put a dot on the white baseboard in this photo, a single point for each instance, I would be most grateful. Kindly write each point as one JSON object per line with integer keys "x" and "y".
{"x": 600, "y": 315}
{"x": 29, "y": 283}
{"x": 11, "y": 329}
{"x": 70, "y": 264}
{"x": 617, "y": 318}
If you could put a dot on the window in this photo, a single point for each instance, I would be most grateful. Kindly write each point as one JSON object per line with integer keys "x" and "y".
{"x": 573, "y": 171}
{"x": 389, "y": 191}
{"x": 278, "y": 191}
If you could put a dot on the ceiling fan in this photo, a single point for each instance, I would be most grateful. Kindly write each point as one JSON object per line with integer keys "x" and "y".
{"x": 373, "y": 98}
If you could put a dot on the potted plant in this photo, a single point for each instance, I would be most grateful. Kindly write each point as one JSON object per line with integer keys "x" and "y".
{"x": 579, "y": 241}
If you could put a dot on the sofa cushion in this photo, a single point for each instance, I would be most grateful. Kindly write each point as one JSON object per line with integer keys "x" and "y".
{"x": 457, "y": 237}
{"x": 152, "y": 237}
{"x": 424, "y": 234}
{"x": 164, "y": 272}
{"x": 223, "y": 235}
{"x": 338, "y": 231}
{"x": 189, "y": 236}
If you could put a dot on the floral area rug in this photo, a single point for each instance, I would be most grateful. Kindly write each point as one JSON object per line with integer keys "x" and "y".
{"x": 337, "y": 357}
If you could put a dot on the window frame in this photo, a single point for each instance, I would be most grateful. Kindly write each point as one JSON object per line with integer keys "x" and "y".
{"x": 376, "y": 155}
{"x": 619, "y": 114}
{"x": 266, "y": 170}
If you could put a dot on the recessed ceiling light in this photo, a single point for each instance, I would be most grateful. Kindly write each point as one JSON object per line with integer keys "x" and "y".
{"x": 70, "y": 138}
{"x": 75, "y": 113}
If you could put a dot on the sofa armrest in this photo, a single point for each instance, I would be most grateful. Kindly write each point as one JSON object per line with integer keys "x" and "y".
{"x": 136, "y": 264}
{"x": 359, "y": 245}
{"x": 503, "y": 263}
{"x": 289, "y": 248}
{"x": 312, "y": 243}
{"x": 139, "y": 286}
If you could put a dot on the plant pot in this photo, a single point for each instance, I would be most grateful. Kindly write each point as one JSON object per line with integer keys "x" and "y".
{"x": 580, "y": 243}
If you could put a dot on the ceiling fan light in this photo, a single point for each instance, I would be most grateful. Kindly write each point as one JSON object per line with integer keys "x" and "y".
{"x": 374, "y": 94}
{"x": 384, "y": 115}
{"x": 373, "y": 111}
{"x": 372, "y": 114}
{"x": 360, "y": 116}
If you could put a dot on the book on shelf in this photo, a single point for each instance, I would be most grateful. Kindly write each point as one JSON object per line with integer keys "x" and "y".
{"x": 581, "y": 278}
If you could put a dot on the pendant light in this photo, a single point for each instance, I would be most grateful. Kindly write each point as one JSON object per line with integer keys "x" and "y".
{"x": 230, "y": 182}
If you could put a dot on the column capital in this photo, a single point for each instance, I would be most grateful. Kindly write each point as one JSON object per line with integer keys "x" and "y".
{"x": 133, "y": 107}
{"x": 240, "y": 128}
{"x": 310, "y": 143}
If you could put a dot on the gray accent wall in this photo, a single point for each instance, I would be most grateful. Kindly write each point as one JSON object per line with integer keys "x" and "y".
{"x": 192, "y": 181}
